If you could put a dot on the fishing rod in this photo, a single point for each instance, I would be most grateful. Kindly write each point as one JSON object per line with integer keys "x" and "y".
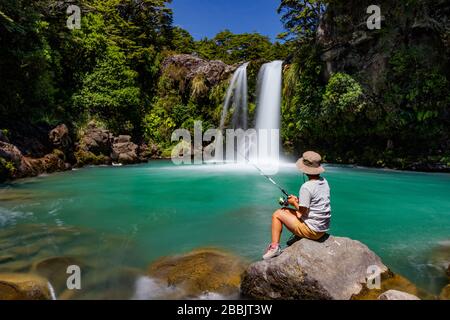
{"x": 282, "y": 201}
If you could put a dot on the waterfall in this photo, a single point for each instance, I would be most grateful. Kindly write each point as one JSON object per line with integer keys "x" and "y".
{"x": 262, "y": 144}
{"x": 268, "y": 112}
{"x": 236, "y": 99}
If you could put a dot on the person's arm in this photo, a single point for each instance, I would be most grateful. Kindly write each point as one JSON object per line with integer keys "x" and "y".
{"x": 293, "y": 200}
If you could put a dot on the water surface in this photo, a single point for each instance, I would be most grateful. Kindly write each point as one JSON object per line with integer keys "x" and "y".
{"x": 126, "y": 217}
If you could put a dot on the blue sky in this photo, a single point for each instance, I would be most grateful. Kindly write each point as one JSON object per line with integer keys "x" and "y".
{"x": 205, "y": 18}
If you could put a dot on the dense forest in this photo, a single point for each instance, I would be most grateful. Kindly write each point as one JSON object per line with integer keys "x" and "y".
{"x": 370, "y": 97}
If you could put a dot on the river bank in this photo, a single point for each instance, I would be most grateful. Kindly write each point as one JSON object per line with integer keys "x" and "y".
{"x": 31, "y": 151}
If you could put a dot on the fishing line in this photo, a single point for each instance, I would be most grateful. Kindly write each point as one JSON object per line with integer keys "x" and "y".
{"x": 265, "y": 175}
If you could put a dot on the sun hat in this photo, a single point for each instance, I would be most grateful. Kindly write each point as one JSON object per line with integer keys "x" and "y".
{"x": 310, "y": 163}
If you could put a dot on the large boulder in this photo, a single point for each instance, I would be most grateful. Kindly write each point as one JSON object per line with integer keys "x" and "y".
{"x": 24, "y": 287}
{"x": 124, "y": 151}
{"x": 60, "y": 137}
{"x": 397, "y": 295}
{"x": 191, "y": 66}
{"x": 199, "y": 272}
{"x": 94, "y": 147}
{"x": 10, "y": 153}
{"x": 96, "y": 140}
{"x": 336, "y": 268}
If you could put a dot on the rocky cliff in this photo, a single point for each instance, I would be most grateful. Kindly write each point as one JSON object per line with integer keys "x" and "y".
{"x": 350, "y": 47}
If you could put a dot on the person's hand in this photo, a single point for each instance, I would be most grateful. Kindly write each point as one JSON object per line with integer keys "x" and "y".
{"x": 299, "y": 215}
{"x": 293, "y": 200}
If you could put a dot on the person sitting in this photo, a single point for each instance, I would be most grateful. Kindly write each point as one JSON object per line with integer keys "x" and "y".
{"x": 311, "y": 213}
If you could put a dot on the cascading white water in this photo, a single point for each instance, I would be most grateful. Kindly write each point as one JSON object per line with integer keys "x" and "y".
{"x": 237, "y": 99}
{"x": 268, "y": 112}
{"x": 263, "y": 144}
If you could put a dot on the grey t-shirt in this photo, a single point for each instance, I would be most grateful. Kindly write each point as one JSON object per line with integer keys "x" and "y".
{"x": 315, "y": 195}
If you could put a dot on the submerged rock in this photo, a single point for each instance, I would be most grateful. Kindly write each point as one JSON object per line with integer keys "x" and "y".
{"x": 24, "y": 287}
{"x": 200, "y": 271}
{"x": 445, "y": 293}
{"x": 335, "y": 268}
{"x": 397, "y": 295}
{"x": 55, "y": 270}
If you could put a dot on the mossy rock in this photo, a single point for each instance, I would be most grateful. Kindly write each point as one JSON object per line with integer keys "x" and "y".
{"x": 19, "y": 286}
{"x": 200, "y": 271}
{"x": 445, "y": 293}
{"x": 55, "y": 270}
{"x": 88, "y": 158}
{"x": 391, "y": 281}
{"x": 7, "y": 170}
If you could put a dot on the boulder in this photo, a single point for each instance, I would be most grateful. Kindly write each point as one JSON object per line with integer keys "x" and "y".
{"x": 122, "y": 139}
{"x": 51, "y": 162}
{"x": 445, "y": 293}
{"x": 24, "y": 287}
{"x": 10, "y": 153}
{"x": 95, "y": 146}
{"x": 125, "y": 152}
{"x": 55, "y": 270}
{"x": 335, "y": 268}
{"x": 60, "y": 137}
{"x": 96, "y": 140}
{"x": 192, "y": 66}
{"x": 397, "y": 295}
{"x": 200, "y": 271}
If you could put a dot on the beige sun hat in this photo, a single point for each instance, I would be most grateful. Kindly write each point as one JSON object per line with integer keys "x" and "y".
{"x": 310, "y": 163}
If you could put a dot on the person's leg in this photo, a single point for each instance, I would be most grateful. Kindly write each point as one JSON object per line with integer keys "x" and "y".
{"x": 282, "y": 217}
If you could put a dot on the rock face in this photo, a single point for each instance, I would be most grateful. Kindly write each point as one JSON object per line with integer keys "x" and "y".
{"x": 349, "y": 46}
{"x": 124, "y": 151}
{"x": 212, "y": 71}
{"x": 335, "y": 268}
{"x": 200, "y": 271}
{"x": 397, "y": 295}
{"x": 24, "y": 287}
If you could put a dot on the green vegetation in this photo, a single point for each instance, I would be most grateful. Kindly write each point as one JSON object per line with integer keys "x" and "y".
{"x": 111, "y": 70}
{"x": 7, "y": 169}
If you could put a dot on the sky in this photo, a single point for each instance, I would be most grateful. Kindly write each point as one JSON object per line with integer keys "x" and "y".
{"x": 205, "y": 18}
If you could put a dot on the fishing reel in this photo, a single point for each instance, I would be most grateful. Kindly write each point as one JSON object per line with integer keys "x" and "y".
{"x": 283, "y": 202}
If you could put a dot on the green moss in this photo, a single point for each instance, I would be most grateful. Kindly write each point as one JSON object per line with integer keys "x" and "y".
{"x": 88, "y": 158}
{"x": 7, "y": 169}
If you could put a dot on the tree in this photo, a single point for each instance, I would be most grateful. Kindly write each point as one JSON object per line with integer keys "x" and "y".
{"x": 111, "y": 93}
{"x": 301, "y": 18}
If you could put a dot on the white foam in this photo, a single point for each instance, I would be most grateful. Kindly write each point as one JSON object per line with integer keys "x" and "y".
{"x": 8, "y": 216}
{"x": 147, "y": 288}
